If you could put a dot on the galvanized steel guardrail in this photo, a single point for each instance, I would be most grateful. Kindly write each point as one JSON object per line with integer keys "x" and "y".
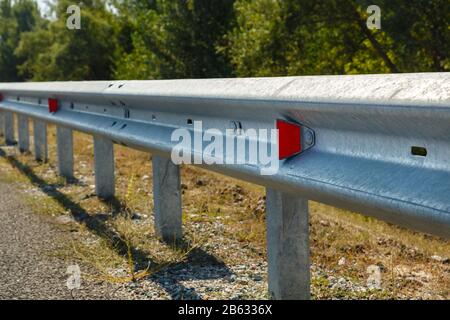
{"x": 375, "y": 144}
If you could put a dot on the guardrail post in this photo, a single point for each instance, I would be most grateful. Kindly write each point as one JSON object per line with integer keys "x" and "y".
{"x": 167, "y": 199}
{"x": 2, "y": 124}
{"x": 64, "y": 139}
{"x": 288, "y": 246}
{"x": 40, "y": 140}
{"x": 8, "y": 122}
{"x": 104, "y": 167}
{"x": 24, "y": 133}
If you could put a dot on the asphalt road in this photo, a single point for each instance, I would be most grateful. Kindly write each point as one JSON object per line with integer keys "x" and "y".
{"x": 27, "y": 268}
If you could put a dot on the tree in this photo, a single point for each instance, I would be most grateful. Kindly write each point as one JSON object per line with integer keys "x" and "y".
{"x": 177, "y": 39}
{"x": 54, "y": 52}
{"x": 160, "y": 39}
{"x": 15, "y": 18}
{"x": 300, "y": 37}
{"x": 420, "y": 33}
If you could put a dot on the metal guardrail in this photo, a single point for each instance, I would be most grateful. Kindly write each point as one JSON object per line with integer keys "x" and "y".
{"x": 376, "y": 144}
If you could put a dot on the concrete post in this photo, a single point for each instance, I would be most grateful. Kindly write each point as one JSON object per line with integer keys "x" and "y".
{"x": 287, "y": 220}
{"x": 104, "y": 167}
{"x": 167, "y": 199}
{"x": 8, "y": 119}
{"x": 40, "y": 140}
{"x": 24, "y": 133}
{"x": 64, "y": 139}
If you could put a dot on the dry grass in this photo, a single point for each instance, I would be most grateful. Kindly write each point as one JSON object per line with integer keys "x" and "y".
{"x": 107, "y": 238}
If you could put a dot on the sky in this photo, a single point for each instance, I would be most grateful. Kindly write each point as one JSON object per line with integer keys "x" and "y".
{"x": 42, "y": 4}
{"x": 44, "y": 7}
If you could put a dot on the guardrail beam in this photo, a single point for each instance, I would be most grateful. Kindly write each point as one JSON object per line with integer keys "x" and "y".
{"x": 24, "y": 133}
{"x": 64, "y": 137}
{"x": 287, "y": 219}
{"x": 40, "y": 140}
{"x": 104, "y": 167}
{"x": 167, "y": 199}
{"x": 370, "y": 133}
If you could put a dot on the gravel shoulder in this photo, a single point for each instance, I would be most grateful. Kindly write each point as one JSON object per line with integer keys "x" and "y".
{"x": 27, "y": 268}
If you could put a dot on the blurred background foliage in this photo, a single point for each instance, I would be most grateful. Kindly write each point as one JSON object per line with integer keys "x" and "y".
{"x": 161, "y": 39}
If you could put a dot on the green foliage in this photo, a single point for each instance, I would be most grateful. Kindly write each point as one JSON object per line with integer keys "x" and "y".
{"x": 54, "y": 52}
{"x": 420, "y": 33}
{"x": 176, "y": 39}
{"x": 15, "y": 18}
{"x": 299, "y": 37}
{"x": 160, "y": 39}
{"x": 294, "y": 37}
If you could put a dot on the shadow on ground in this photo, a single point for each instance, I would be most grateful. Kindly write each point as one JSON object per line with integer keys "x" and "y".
{"x": 98, "y": 225}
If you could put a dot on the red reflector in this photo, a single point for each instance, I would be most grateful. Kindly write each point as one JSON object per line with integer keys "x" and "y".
{"x": 52, "y": 105}
{"x": 289, "y": 139}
